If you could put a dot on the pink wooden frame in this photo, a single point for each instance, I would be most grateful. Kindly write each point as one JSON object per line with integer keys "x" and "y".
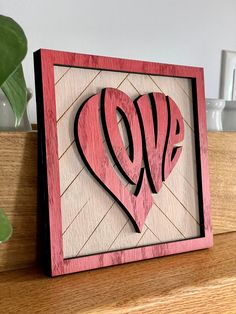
{"x": 46, "y": 106}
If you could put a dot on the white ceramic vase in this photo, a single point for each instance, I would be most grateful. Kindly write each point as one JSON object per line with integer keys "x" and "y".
{"x": 7, "y": 117}
{"x": 214, "y": 108}
{"x": 229, "y": 116}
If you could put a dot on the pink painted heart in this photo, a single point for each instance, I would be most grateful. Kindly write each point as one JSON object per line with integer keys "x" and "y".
{"x": 154, "y": 127}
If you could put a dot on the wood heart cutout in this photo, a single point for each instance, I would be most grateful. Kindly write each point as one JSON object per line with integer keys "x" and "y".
{"x": 154, "y": 127}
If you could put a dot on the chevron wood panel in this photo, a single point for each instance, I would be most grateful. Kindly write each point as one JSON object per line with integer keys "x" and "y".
{"x": 92, "y": 221}
{"x": 59, "y": 72}
{"x": 186, "y": 86}
{"x": 71, "y": 89}
{"x": 171, "y": 87}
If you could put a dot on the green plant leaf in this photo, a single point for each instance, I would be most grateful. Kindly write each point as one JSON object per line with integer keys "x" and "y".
{"x": 5, "y": 227}
{"x": 13, "y": 47}
{"x": 15, "y": 90}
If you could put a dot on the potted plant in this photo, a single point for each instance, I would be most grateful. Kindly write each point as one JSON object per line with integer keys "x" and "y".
{"x": 13, "y": 90}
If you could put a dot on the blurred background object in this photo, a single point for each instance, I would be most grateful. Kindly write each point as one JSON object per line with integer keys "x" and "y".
{"x": 228, "y": 89}
{"x": 214, "y": 109}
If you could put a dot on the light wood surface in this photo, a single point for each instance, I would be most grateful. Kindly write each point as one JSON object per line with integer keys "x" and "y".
{"x": 102, "y": 223}
{"x": 174, "y": 284}
{"x": 18, "y": 197}
{"x": 222, "y": 167}
{"x": 20, "y": 201}
{"x": 202, "y": 282}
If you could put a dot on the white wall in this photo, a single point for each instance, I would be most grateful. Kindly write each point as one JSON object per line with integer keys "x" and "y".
{"x": 172, "y": 31}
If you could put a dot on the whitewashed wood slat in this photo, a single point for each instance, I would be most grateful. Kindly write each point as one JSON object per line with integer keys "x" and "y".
{"x": 162, "y": 226}
{"x": 183, "y": 192}
{"x": 73, "y": 200}
{"x": 187, "y": 221}
{"x": 106, "y": 231}
{"x": 59, "y": 72}
{"x": 157, "y": 222}
{"x": 70, "y": 166}
{"x": 68, "y": 89}
{"x": 172, "y": 89}
{"x": 128, "y": 88}
{"x": 65, "y": 126}
{"x": 148, "y": 238}
{"x": 186, "y": 85}
{"x": 187, "y": 162}
{"x": 126, "y": 233}
{"x": 88, "y": 218}
{"x": 143, "y": 84}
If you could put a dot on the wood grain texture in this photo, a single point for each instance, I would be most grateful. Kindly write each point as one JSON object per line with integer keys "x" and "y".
{"x": 92, "y": 212}
{"x": 22, "y": 249}
{"x": 48, "y": 116}
{"x": 18, "y": 197}
{"x": 91, "y": 146}
{"x": 46, "y": 98}
{"x": 173, "y": 284}
{"x": 98, "y": 115}
{"x": 222, "y": 167}
{"x": 175, "y": 89}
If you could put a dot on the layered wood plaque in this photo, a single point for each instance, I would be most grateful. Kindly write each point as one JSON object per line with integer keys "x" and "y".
{"x": 124, "y": 159}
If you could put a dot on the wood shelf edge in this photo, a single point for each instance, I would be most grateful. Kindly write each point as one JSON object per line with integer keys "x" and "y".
{"x": 177, "y": 283}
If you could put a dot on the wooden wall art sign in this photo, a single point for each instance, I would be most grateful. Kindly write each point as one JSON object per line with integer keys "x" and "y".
{"x": 123, "y": 151}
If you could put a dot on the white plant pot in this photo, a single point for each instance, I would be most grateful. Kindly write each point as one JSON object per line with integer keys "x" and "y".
{"x": 229, "y": 116}
{"x": 214, "y": 109}
{"x": 7, "y": 117}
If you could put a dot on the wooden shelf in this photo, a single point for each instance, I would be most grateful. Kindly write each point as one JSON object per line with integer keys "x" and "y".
{"x": 18, "y": 169}
{"x": 202, "y": 281}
